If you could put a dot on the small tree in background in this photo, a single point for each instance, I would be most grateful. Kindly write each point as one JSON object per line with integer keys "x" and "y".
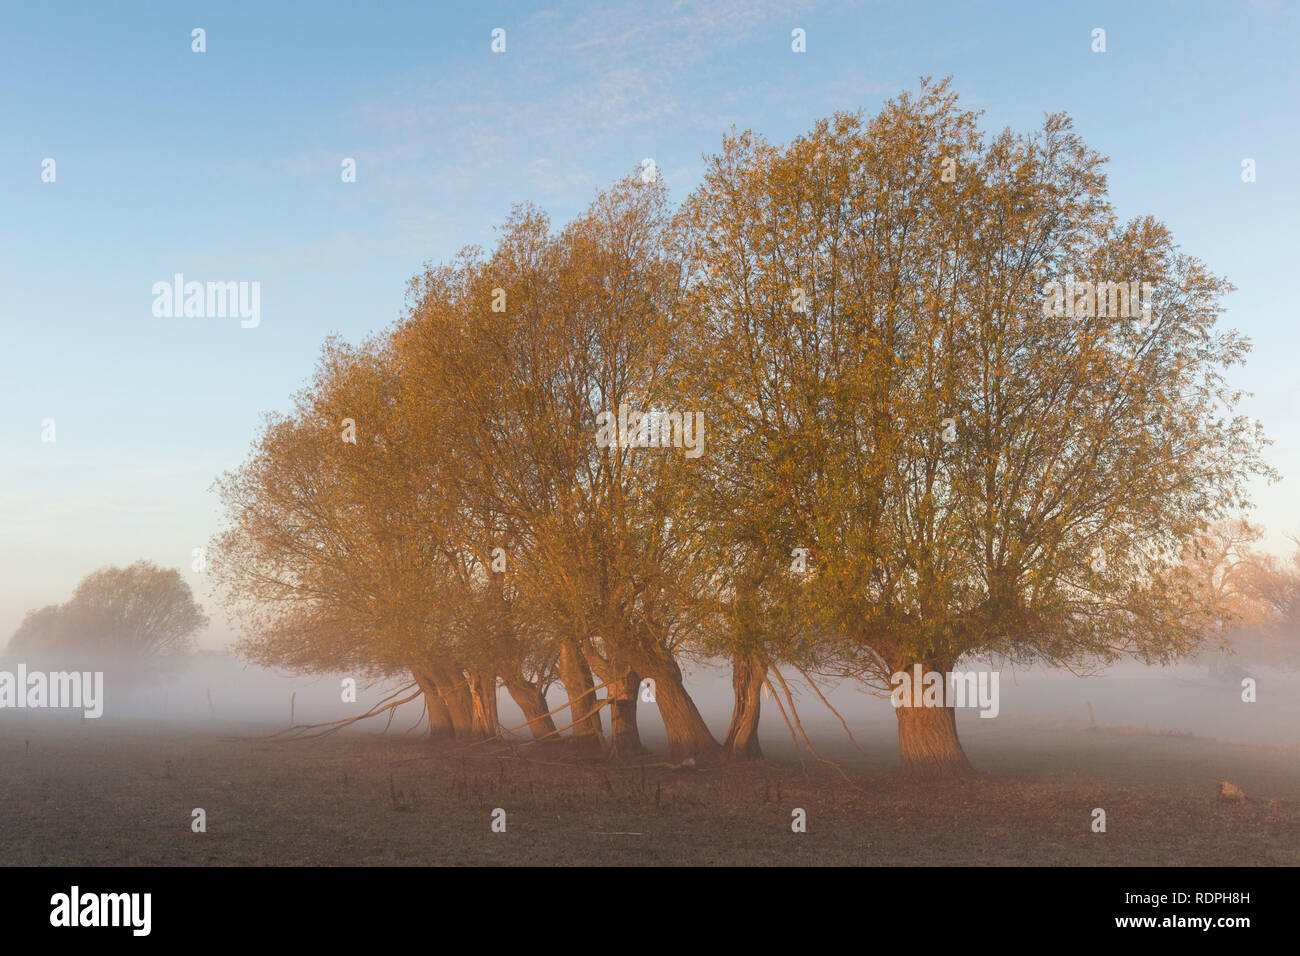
{"x": 141, "y": 616}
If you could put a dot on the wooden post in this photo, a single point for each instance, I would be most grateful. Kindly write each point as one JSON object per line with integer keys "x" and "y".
{"x": 1091, "y": 719}
{"x": 212, "y": 714}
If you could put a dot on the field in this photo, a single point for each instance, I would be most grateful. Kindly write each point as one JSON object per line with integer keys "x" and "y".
{"x": 84, "y": 794}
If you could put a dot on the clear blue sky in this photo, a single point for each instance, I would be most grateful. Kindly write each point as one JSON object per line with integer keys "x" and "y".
{"x": 225, "y": 166}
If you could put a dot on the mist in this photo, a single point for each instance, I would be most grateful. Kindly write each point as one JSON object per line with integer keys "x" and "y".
{"x": 215, "y": 692}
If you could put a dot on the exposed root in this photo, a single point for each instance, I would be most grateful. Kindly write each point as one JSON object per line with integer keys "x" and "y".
{"x": 808, "y": 743}
{"x": 793, "y": 738}
{"x": 843, "y": 723}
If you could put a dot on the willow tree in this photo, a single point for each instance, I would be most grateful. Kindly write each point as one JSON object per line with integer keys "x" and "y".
{"x": 333, "y": 557}
{"x": 522, "y": 356}
{"x": 975, "y": 472}
{"x": 459, "y": 383}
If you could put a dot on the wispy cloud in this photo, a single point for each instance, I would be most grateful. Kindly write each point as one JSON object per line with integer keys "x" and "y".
{"x": 574, "y": 77}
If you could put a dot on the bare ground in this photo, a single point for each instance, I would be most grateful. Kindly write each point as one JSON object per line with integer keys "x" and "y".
{"x": 96, "y": 795}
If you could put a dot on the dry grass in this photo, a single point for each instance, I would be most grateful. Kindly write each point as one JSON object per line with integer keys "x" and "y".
{"x": 104, "y": 796}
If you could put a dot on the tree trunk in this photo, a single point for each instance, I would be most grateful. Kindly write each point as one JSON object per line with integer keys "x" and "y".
{"x": 531, "y": 702}
{"x": 928, "y": 744}
{"x": 440, "y": 725}
{"x": 747, "y": 675}
{"x": 454, "y": 692}
{"x": 688, "y": 734}
{"x": 625, "y": 740}
{"x": 575, "y": 675}
{"x": 621, "y": 687}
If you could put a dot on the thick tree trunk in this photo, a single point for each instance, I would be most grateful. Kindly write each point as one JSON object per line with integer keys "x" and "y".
{"x": 625, "y": 740}
{"x": 747, "y": 675}
{"x": 440, "y": 725}
{"x": 688, "y": 734}
{"x": 928, "y": 744}
{"x": 621, "y": 688}
{"x": 454, "y": 691}
{"x": 575, "y": 675}
{"x": 531, "y": 702}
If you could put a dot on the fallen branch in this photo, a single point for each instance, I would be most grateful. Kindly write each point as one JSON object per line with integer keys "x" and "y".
{"x": 336, "y": 725}
{"x": 567, "y": 726}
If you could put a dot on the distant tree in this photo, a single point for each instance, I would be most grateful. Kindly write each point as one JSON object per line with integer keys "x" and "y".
{"x": 1225, "y": 570}
{"x": 39, "y": 629}
{"x": 1255, "y": 599}
{"x": 1271, "y": 633}
{"x": 141, "y": 614}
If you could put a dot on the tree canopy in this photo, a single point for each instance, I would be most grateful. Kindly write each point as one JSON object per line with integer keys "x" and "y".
{"x": 141, "y": 615}
{"x": 897, "y": 393}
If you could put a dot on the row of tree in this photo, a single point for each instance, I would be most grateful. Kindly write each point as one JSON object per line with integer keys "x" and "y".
{"x": 906, "y": 458}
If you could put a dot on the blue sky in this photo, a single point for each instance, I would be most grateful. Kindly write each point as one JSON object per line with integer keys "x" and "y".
{"x": 225, "y": 165}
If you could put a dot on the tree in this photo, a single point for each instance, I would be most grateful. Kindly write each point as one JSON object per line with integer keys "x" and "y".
{"x": 585, "y": 329}
{"x": 973, "y": 476}
{"x": 1257, "y": 596}
{"x": 142, "y": 616}
{"x": 40, "y": 628}
{"x": 1273, "y": 637}
{"x": 929, "y": 445}
{"x": 333, "y": 556}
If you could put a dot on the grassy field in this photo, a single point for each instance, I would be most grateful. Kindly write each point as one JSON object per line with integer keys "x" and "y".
{"x": 85, "y": 794}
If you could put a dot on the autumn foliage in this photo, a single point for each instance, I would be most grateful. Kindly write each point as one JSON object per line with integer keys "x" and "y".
{"x": 906, "y": 457}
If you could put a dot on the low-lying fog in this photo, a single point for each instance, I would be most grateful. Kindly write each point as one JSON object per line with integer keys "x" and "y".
{"x": 1187, "y": 699}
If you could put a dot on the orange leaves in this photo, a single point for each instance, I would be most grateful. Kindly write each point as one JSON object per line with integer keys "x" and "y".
{"x": 868, "y": 345}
